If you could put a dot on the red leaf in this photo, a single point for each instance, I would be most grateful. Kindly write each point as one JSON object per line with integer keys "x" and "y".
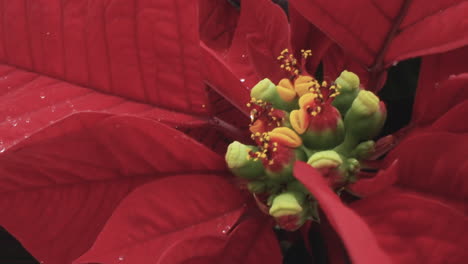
{"x": 218, "y": 21}
{"x": 31, "y": 103}
{"x": 416, "y": 228}
{"x": 71, "y": 176}
{"x": 221, "y": 78}
{"x": 304, "y": 35}
{"x": 360, "y": 243}
{"x": 183, "y": 219}
{"x": 262, "y": 33}
{"x": 143, "y": 50}
{"x": 435, "y": 93}
{"x": 438, "y": 171}
{"x": 441, "y": 99}
{"x": 335, "y": 60}
{"x": 377, "y": 34}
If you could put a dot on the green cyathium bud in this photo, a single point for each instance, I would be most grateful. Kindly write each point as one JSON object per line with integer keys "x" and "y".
{"x": 290, "y": 210}
{"x": 365, "y": 118}
{"x": 325, "y": 159}
{"x": 364, "y": 150}
{"x": 281, "y": 97}
{"x": 287, "y": 203}
{"x": 239, "y": 162}
{"x": 349, "y": 89}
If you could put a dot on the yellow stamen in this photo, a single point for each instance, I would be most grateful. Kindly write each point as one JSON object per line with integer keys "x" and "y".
{"x": 306, "y": 99}
{"x": 286, "y": 136}
{"x": 299, "y": 121}
{"x": 285, "y": 90}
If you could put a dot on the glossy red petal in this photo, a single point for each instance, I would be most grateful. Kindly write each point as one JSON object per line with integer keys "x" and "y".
{"x": 305, "y": 36}
{"x": 70, "y": 177}
{"x": 414, "y": 227}
{"x": 182, "y": 219}
{"x": 432, "y": 84}
{"x": 220, "y": 77}
{"x": 335, "y": 60}
{"x": 394, "y": 31}
{"x": 443, "y": 98}
{"x": 262, "y": 33}
{"x": 383, "y": 180}
{"x": 358, "y": 239}
{"x": 218, "y": 21}
{"x": 434, "y": 163}
{"x": 143, "y": 50}
{"x": 30, "y": 103}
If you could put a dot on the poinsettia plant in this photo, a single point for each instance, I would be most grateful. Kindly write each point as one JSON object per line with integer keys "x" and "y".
{"x": 116, "y": 119}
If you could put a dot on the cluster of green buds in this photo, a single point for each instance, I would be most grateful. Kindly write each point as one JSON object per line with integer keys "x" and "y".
{"x": 329, "y": 125}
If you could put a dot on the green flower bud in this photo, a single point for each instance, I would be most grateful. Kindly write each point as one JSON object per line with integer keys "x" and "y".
{"x": 349, "y": 89}
{"x": 325, "y": 159}
{"x": 364, "y": 150}
{"x": 257, "y": 187}
{"x": 287, "y": 209}
{"x": 281, "y": 97}
{"x": 333, "y": 167}
{"x": 240, "y": 163}
{"x": 366, "y": 117}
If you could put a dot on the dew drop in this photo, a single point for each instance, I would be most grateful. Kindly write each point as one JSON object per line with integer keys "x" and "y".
{"x": 243, "y": 56}
{"x": 226, "y": 230}
{"x": 121, "y": 258}
{"x": 395, "y": 63}
{"x": 14, "y": 122}
{"x": 27, "y": 120}
{"x": 242, "y": 80}
{"x": 2, "y": 149}
{"x": 42, "y": 96}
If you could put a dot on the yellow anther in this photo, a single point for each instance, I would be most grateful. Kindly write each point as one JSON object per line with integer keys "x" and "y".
{"x": 299, "y": 121}
{"x": 324, "y": 84}
{"x": 302, "y": 84}
{"x": 285, "y": 90}
{"x": 306, "y": 99}
{"x": 286, "y": 136}
{"x": 249, "y": 104}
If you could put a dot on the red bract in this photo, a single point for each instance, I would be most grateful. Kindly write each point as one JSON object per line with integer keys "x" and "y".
{"x": 91, "y": 94}
{"x": 373, "y": 35}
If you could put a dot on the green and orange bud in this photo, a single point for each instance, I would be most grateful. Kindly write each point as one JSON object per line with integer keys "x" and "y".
{"x": 364, "y": 150}
{"x": 278, "y": 150}
{"x": 288, "y": 210}
{"x": 281, "y": 97}
{"x": 320, "y": 125}
{"x": 334, "y": 167}
{"x": 366, "y": 117}
{"x": 240, "y": 163}
{"x": 303, "y": 83}
{"x": 348, "y": 84}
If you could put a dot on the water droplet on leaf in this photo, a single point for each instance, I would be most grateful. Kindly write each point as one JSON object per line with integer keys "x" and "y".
{"x": 242, "y": 80}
